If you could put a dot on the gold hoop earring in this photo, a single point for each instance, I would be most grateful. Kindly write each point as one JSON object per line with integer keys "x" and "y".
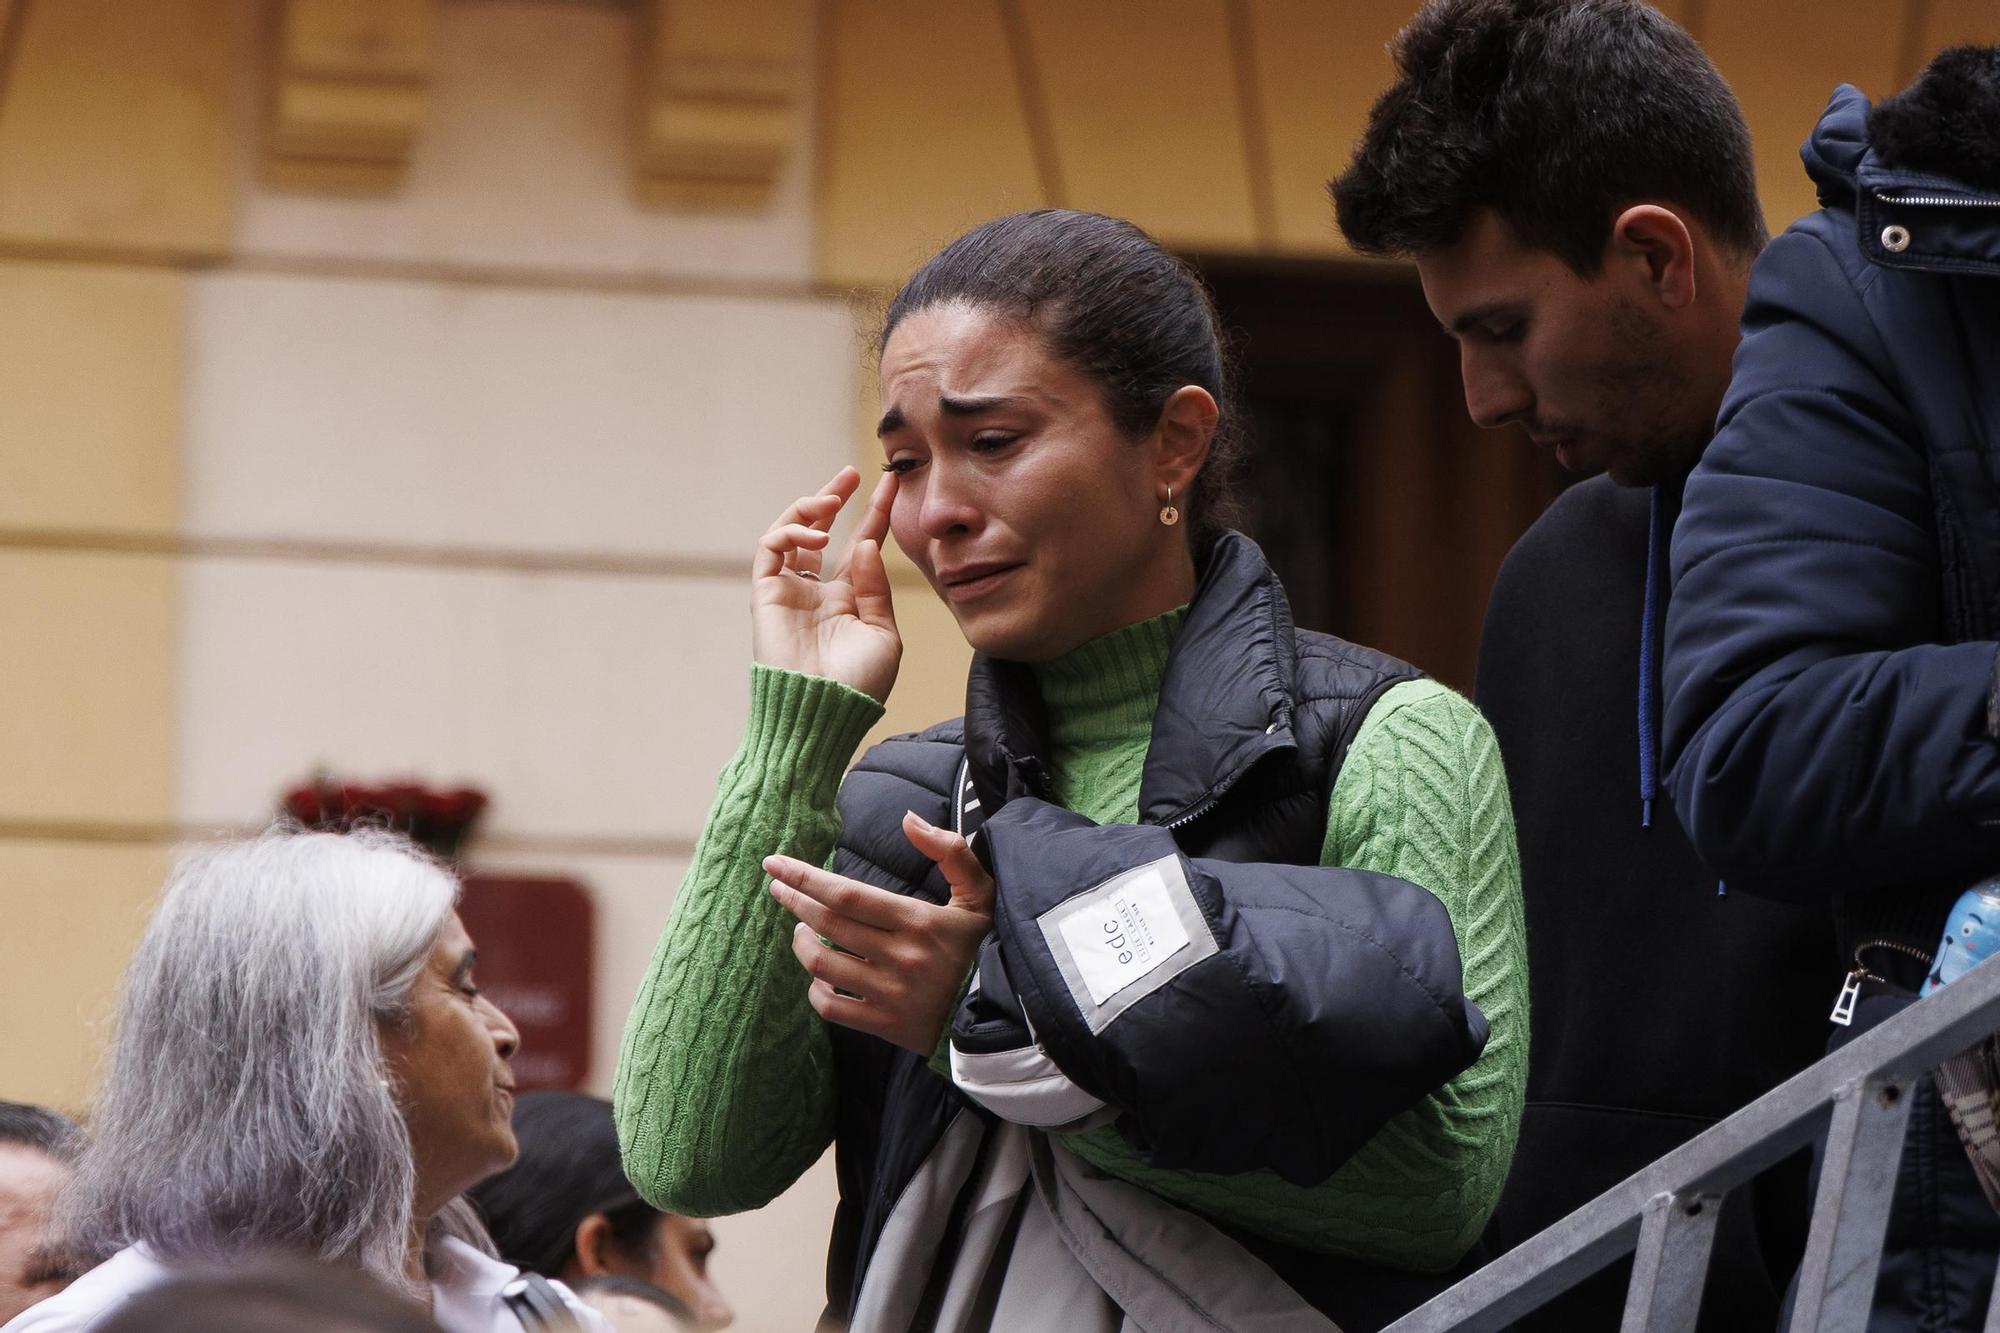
{"x": 1168, "y": 514}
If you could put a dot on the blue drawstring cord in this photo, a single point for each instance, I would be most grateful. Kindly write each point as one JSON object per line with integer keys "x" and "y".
{"x": 1649, "y": 650}
{"x": 1649, "y": 753}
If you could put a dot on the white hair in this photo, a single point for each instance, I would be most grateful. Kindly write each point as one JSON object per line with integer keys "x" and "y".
{"x": 247, "y": 1105}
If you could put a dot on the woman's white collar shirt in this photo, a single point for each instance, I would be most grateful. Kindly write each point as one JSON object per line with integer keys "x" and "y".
{"x": 465, "y": 1294}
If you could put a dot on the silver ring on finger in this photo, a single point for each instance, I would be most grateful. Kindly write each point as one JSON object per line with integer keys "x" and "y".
{"x": 807, "y": 574}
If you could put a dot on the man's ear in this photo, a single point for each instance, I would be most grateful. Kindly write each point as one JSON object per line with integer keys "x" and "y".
{"x": 1187, "y": 428}
{"x": 1657, "y": 244}
{"x": 596, "y": 1248}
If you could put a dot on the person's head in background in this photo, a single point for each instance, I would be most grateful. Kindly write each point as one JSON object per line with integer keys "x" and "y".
{"x": 634, "y": 1305}
{"x": 303, "y": 1062}
{"x": 566, "y": 1210}
{"x": 1573, "y": 179}
{"x": 270, "y": 1293}
{"x": 38, "y": 1148}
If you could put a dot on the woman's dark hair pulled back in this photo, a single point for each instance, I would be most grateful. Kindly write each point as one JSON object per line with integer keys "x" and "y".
{"x": 1111, "y": 302}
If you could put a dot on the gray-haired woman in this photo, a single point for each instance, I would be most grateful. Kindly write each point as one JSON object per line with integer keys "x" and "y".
{"x": 303, "y": 1064}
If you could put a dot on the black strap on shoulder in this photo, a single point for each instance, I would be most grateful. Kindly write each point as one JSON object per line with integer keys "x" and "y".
{"x": 534, "y": 1301}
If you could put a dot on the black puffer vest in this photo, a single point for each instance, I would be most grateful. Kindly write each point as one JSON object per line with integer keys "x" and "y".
{"x": 1254, "y": 720}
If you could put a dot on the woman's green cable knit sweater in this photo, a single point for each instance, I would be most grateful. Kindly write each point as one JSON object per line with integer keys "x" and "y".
{"x": 725, "y": 1091}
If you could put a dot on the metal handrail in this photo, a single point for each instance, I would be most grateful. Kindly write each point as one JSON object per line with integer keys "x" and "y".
{"x": 1664, "y": 1215}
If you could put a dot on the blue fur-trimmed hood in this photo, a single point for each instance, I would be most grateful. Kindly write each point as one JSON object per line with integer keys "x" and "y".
{"x": 1944, "y": 127}
{"x": 1947, "y": 123}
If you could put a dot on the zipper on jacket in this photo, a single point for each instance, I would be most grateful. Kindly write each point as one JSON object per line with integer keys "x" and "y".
{"x": 1208, "y": 802}
{"x": 1200, "y": 807}
{"x": 1941, "y": 200}
{"x": 1850, "y": 990}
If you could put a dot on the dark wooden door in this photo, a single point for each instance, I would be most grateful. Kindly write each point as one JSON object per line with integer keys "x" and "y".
{"x": 1383, "y": 508}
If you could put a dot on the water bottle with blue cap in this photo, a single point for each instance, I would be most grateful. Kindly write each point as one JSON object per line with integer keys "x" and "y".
{"x": 1971, "y": 934}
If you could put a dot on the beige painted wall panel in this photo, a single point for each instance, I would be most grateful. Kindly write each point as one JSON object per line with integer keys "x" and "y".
{"x": 87, "y": 666}
{"x": 525, "y": 160}
{"x": 74, "y": 912}
{"x": 1146, "y": 117}
{"x": 440, "y": 414}
{"x": 923, "y": 133}
{"x": 772, "y": 1263}
{"x": 1951, "y": 23}
{"x": 90, "y": 372}
{"x": 117, "y": 123}
{"x": 1319, "y": 68}
{"x": 584, "y": 706}
{"x": 1784, "y": 58}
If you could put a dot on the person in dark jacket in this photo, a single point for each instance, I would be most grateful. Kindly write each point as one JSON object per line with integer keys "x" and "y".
{"x": 1573, "y": 179}
{"x": 1222, "y": 1025}
{"x": 1833, "y": 722}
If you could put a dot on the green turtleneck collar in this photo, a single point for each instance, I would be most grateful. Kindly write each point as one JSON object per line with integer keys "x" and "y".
{"x": 1101, "y": 697}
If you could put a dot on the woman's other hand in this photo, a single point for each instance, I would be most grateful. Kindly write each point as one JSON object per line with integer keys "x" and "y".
{"x": 840, "y": 625}
{"x": 900, "y": 962}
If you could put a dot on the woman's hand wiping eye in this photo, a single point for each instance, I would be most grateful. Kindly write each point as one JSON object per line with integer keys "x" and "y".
{"x": 838, "y": 623}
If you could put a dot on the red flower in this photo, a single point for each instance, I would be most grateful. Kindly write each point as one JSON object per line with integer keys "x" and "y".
{"x": 439, "y": 821}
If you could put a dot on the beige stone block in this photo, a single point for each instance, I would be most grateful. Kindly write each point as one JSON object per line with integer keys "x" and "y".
{"x": 587, "y": 707}
{"x": 74, "y": 912}
{"x": 437, "y": 414}
{"x": 349, "y": 92}
{"x": 923, "y": 131}
{"x": 721, "y": 94}
{"x": 1146, "y": 116}
{"x": 1784, "y": 58}
{"x": 525, "y": 161}
{"x": 87, "y": 665}
{"x": 90, "y": 384}
{"x": 118, "y": 123}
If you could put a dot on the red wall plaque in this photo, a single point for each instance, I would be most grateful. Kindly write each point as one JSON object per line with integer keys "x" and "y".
{"x": 536, "y": 938}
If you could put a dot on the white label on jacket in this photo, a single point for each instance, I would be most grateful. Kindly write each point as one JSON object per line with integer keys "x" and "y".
{"x": 1126, "y": 933}
{"x": 1118, "y": 942}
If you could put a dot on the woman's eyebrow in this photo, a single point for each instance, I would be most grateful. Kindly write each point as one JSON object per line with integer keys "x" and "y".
{"x": 969, "y": 407}
{"x": 952, "y": 406}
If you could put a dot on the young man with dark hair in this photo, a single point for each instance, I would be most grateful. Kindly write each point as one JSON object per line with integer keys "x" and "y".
{"x": 1833, "y": 685}
{"x": 1573, "y": 179}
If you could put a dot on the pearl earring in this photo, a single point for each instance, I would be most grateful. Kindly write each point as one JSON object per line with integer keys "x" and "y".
{"x": 1168, "y": 514}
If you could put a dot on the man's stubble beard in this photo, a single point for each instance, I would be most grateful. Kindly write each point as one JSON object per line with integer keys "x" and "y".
{"x": 1656, "y": 434}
